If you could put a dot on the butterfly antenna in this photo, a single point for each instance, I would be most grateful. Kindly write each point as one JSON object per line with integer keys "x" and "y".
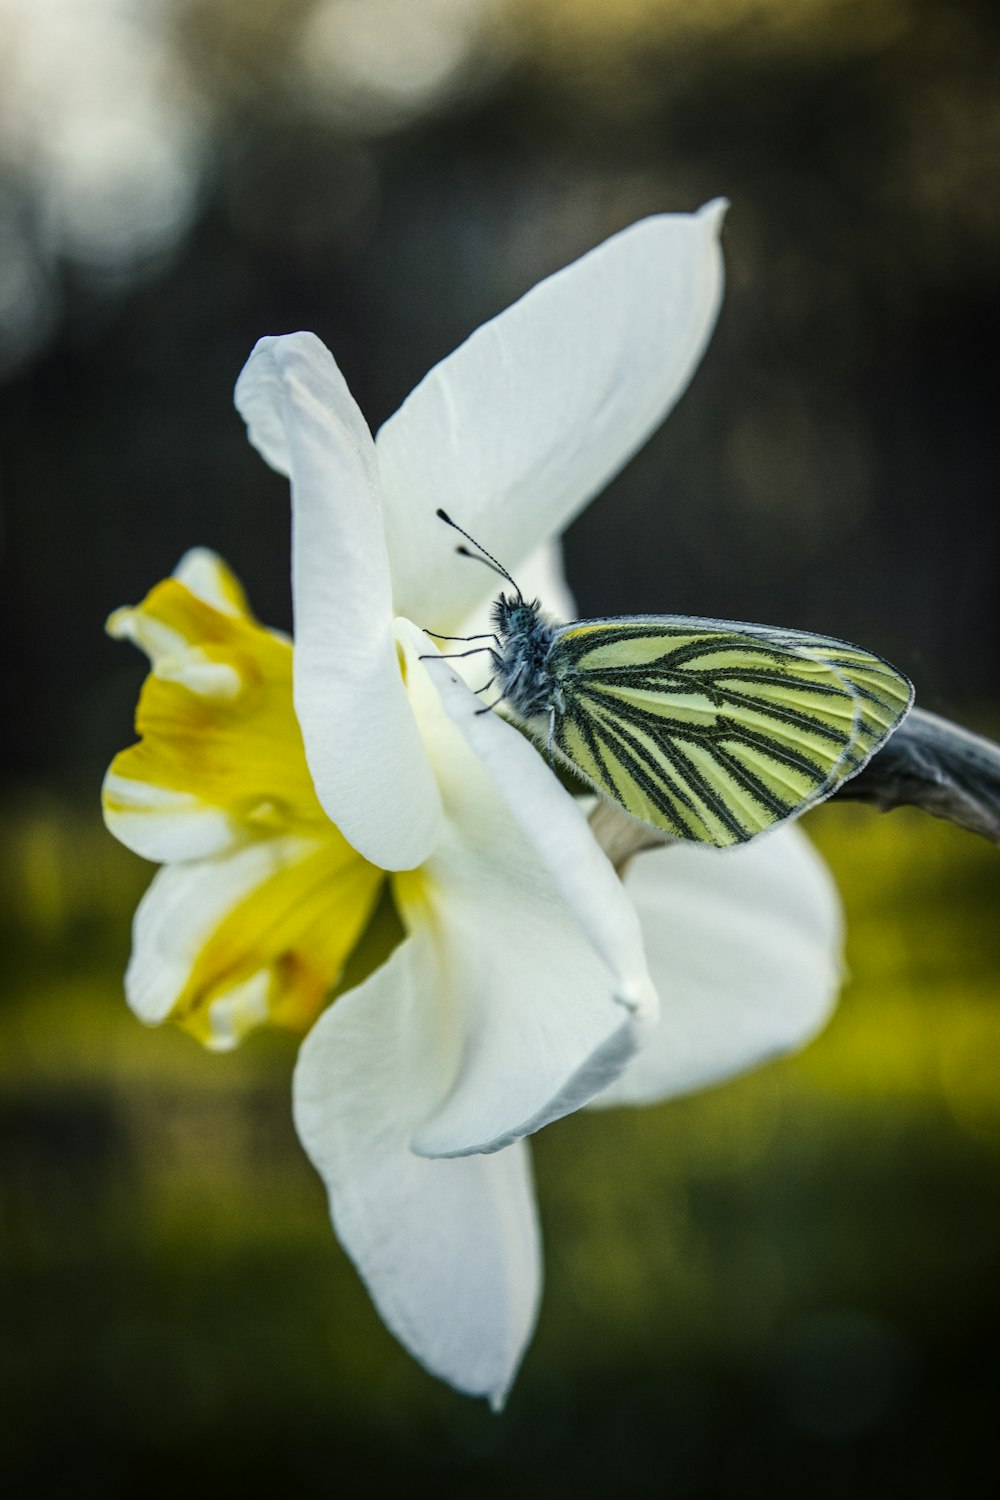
{"x": 480, "y": 554}
{"x": 486, "y": 561}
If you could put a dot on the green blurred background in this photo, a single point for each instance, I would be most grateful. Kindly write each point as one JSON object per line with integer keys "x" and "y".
{"x": 786, "y": 1286}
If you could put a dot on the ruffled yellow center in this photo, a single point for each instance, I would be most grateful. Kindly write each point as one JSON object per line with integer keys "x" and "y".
{"x": 262, "y": 900}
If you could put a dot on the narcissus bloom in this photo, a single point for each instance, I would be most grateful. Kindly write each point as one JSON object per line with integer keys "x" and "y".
{"x": 281, "y": 789}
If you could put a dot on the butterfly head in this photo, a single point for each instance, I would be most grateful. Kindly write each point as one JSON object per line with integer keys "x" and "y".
{"x": 523, "y": 638}
{"x": 514, "y": 616}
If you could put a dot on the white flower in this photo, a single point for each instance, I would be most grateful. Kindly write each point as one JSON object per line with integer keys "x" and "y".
{"x": 520, "y": 989}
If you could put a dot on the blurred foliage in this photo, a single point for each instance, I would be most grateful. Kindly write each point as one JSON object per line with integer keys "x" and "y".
{"x": 785, "y": 1286}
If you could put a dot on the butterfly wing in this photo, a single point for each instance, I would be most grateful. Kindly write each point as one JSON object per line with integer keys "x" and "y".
{"x": 713, "y": 730}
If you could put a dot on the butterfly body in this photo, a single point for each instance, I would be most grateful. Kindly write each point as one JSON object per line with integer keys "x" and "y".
{"x": 522, "y": 665}
{"x": 708, "y": 730}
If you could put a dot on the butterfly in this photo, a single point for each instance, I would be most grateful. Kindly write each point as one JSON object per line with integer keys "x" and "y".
{"x": 707, "y": 730}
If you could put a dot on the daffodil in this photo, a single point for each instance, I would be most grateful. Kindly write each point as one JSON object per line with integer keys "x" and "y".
{"x": 282, "y": 789}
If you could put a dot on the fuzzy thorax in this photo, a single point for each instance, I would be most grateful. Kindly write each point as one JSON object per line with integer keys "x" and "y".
{"x": 523, "y": 672}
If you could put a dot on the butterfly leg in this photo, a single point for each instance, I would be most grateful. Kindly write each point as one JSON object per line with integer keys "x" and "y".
{"x": 552, "y": 730}
{"x": 453, "y": 655}
{"x": 484, "y": 635}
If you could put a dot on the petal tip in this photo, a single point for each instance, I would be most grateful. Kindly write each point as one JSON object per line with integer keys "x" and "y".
{"x": 278, "y": 349}
{"x": 713, "y": 213}
{"x": 119, "y": 624}
{"x": 640, "y": 1000}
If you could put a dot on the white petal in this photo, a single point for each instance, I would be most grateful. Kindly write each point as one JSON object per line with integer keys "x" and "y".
{"x": 260, "y": 396}
{"x": 448, "y": 1249}
{"x": 195, "y": 670}
{"x": 161, "y": 823}
{"x": 744, "y": 946}
{"x": 182, "y": 908}
{"x": 520, "y": 427}
{"x": 368, "y": 765}
{"x": 539, "y": 953}
{"x": 238, "y": 1010}
{"x": 159, "y": 640}
{"x": 208, "y": 578}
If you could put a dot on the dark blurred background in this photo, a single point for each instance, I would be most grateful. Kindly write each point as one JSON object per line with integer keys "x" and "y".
{"x": 782, "y": 1287}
